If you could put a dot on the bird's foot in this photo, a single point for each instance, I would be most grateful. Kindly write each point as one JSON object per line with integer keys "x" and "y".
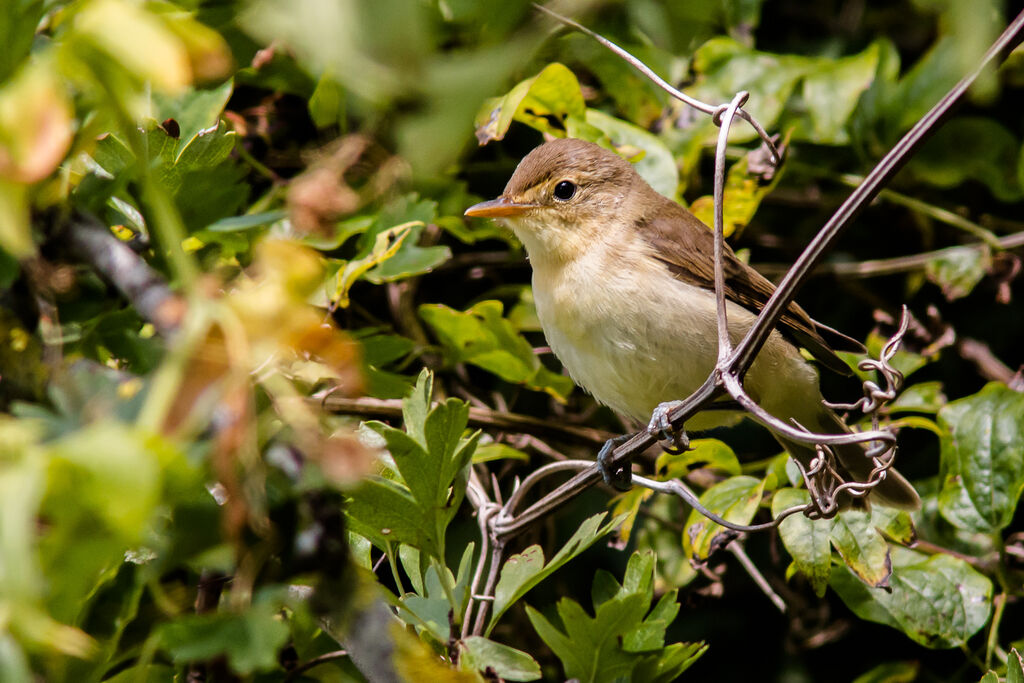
{"x": 674, "y": 441}
{"x": 619, "y": 477}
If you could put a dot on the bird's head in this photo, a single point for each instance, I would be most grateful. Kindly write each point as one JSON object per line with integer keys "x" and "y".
{"x": 563, "y": 196}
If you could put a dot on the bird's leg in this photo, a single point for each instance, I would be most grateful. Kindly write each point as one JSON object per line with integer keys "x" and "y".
{"x": 678, "y": 441}
{"x": 620, "y": 478}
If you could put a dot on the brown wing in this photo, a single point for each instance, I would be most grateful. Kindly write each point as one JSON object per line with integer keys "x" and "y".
{"x": 686, "y": 246}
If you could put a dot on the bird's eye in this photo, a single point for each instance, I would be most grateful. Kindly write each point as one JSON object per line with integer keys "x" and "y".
{"x": 565, "y": 190}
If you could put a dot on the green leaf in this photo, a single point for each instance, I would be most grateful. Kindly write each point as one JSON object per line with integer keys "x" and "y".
{"x": 862, "y": 547}
{"x": 971, "y": 148}
{"x": 489, "y": 452}
{"x": 410, "y": 258}
{"x": 482, "y": 654}
{"x": 831, "y": 90}
{"x": 806, "y": 540}
{"x": 710, "y": 453}
{"x": 939, "y": 602}
{"x": 194, "y": 109}
{"x": 554, "y": 93}
{"x": 1014, "y": 667}
{"x": 891, "y": 672}
{"x": 736, "y": 500}
{"x": 525, "y": 570}
{"x": 618, "y": 638}
{"x": 743, "y": 194}
{"x": 657, "y": 165}
{"x": 250, "y": 640}
{"x": 386, "y": 513}
{"x": 990, "y": 677}
{"x": 959, "y": 269}
{"x": 982, "y": 459}
{"x": 896, "y": 525}
{"x": 923, "y": 397}
{"x": 482, "y": 337}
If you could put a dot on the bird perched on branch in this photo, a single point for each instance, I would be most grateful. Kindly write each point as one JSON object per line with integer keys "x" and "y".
{"x": 623, "y": 280}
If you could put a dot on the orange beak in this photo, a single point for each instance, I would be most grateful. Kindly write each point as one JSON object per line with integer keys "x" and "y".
{"x": 498, "y": 208}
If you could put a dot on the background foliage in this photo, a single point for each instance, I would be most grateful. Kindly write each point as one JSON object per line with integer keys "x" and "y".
{"x": 229, "y": 231}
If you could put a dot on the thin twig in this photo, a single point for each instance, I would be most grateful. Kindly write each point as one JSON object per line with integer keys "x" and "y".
{"x": 740, "y": 554}
{"x": 484, "y": 417}
{"x": 892, "y": 266}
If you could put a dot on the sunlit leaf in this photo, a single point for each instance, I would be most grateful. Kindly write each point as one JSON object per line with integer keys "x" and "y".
{"x": 862, "y": 547}
{"x": 510, "y": 664}
{"x": 735, "y": 500}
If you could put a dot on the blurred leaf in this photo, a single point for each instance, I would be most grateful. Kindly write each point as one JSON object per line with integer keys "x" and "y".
{"x": 830, "y": 92}
{"x": 990, "y": 677}
{"x": 489, "y": 452}
{"x": 735, "y": 500}
{"x": 482, "y": 654}
{"x": 862, "y": 547}
{"x": 923, "y": 397}
{"x": 806, "y": 540}
{"x": 982, "y": 459}
{"x": 136, "y": 40}
{"x": 15, "y": 228}
{"x": 525, "y": 570}
{"x": 482, "y": 337}
{"x": 906, "y": 362}
{"x": 743, "y": 194}
{"x": 891, "y": 672}
{"x": 656, "y": 166}
{"x": 830, "y": 88}
{"x": 194, "y": 110}
{"x": 939, "y": 602}
{"x": 410, "y": 259}
{"x": 18, "y": 21}
{"x": 35, "y": 125}
{"x": 971, "y": 148}
{"x": 250, "y": 640}
{"x": 958, "y": 270}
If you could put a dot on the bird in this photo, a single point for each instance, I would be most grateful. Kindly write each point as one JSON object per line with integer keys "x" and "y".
{"x": 623, "y": 283}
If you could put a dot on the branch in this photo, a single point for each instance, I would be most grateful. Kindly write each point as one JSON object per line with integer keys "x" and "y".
{"x": 145, "y": 288}
{"x": 483, "y": 417}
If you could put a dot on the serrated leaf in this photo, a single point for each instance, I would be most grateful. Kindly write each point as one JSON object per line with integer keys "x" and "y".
{"x": 386, "y": 513}
{"x": 194, "y": 109}
{"x": 482, "y": 337}
{"x": 482, "y": 654}
{"x": 736, "y": 500}
{"x": 862, "y": 547}
{"x": 806, "y": 540}
{"x": 939, "y": 602}
{"x": 982, "y": 459}
{"x": 523, "y": 571}
{"x": 618, "y": 638}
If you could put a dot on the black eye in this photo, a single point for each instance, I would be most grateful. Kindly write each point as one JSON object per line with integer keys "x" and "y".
{"x": 565, "y": 190}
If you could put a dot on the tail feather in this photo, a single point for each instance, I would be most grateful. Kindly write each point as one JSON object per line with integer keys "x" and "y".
{"x": 894, "y": 491}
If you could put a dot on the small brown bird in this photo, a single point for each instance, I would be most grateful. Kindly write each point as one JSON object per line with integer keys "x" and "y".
{"x": 623, "y": 280}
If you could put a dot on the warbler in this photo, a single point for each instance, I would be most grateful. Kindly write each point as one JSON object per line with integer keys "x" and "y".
{"x": 623, "y": 280}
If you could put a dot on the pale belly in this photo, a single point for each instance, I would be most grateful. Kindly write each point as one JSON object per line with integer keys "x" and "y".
{"x": 639, "y": 341}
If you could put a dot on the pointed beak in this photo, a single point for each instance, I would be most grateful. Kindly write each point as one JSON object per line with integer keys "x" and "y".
{"x": 498, "y": 208}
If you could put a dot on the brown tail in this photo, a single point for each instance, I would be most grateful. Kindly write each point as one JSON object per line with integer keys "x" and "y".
{"x": 894, "y": 491}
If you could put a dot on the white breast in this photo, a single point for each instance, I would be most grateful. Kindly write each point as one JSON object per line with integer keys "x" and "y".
{"x": 637, "y": 339}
